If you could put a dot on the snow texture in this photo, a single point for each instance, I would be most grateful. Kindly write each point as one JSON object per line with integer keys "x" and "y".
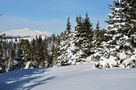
{"x": 77, "y": 77}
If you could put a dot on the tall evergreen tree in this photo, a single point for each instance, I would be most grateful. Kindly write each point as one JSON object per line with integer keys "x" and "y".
{"x": 119, "y": 35}
{"x": 2, "y": 62}
{"x": 130, "y": 12}
{"x": 84, "y": 33}
{"x": 26, "y": 46}
{"x": 120, "y": 24}
{"x": 98, "y": 35}
{"x": 62, "y": 58}
{"x": 68, "y": 27}
{"x": 18, "y": 63}
{"x": 98, "y": 26}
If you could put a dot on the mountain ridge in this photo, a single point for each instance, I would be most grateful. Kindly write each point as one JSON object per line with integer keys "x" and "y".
{"x": 25, "y": 32}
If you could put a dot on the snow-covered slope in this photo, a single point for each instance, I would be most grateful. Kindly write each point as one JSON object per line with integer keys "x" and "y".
{"x": 26, "y": 32}
{"x": 78, "y": 77}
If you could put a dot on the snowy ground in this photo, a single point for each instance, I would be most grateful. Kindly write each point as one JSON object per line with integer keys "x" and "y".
{"x": 78, "y": 77}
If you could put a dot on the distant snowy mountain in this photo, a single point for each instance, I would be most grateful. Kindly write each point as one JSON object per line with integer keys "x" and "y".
{"x": 26, "y": 32}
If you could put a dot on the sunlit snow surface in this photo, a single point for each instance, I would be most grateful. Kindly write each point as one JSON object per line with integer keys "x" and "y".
{"x": 78, "y": 77}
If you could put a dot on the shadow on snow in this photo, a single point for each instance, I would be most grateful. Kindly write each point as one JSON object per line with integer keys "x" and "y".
{"x": 23, "y": 80}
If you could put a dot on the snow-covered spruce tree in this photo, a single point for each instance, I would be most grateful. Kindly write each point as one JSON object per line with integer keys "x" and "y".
{"x": 2, "y": 61}
{"x": 18, "y": 63}
{"x": 41, "y": 54}
{"x": 33, "y": 53}
{"x": 65, "y": 39}
{"x": 6, "y": 53}
{"x": 68, "y": 27}
{"x": 26, "y": 46}
{"x": 10, "y": 55}
{"x": 77, "y": 46}
{"x": 53, "y": 50}
{"x": 83, "y": 37}
{"x": 130, "y": 12}
{"x": 98, "y": 34}
{"x": 117, "y": 48}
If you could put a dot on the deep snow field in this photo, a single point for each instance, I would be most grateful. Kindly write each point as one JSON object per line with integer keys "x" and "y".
{"x": 76, "y": 77}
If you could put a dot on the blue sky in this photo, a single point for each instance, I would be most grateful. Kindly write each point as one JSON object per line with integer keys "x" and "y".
{"x": 50, "y": 15}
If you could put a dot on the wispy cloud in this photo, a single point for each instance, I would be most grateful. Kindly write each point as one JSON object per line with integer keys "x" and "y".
{"x": 52, "y": 26}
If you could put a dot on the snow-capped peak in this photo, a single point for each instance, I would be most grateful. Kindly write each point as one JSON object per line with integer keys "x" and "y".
{"x": 26, "y": 32}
